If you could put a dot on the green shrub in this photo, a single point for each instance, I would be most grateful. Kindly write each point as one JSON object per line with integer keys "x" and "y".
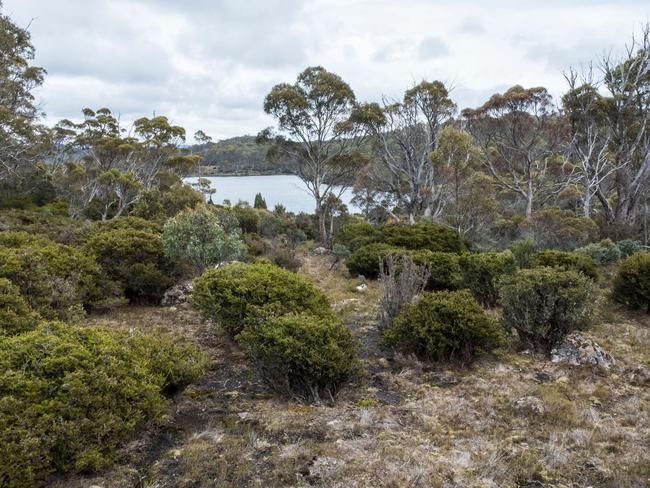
{"x": 559, "y": 229}
{"x": 572, "y": 261}
{"x": 444, "y": 269}
{"x": 235, "y": 294}
{"x": 523, "y": 251}
{"x": 444, "y": 325}
{"x": 545, "y": 304}
{"x": 627, "y": 247}
{"x": 482, "y": 271}
{"x": 355, "y": 235}
{"x": 130, "y": 223}
{"x": 160, "y": 204}
{"x": 603, "y": 252}
{"x": 302, "y": 356}
{"x": 365, "y": 260}
{"x": 16, "y": 315}
{"x": 58, "y": 281}
{"x": 133, "y": 258}
{"x": 632, "y": 283}
{"x": 69, "y": 396}
{"x": 432, "y": 237}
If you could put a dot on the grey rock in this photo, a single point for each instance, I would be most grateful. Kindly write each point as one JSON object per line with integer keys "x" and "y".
{"x": 320, "y": 251}
{"x": 578, "y": 350}
{"x": 362, "y": 288}
{"x": 177, "y": 294}
{"x": 638, "y": 376}
{"x": 530, "y": 405}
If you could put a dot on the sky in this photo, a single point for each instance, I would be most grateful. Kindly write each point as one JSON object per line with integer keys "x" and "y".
{"x": 208, "y": 64}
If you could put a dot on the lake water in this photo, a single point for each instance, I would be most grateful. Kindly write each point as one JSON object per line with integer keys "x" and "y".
{"x": 288, "y": 190}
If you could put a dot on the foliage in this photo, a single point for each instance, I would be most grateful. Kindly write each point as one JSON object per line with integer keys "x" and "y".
{"x": 259, "y": 202}
{"x": 523, "y": 251}
{"x": 133, "y": 258}
{"x": 444, "y": 269}
{"x": 303, "y": 356}
{"x": 482, "y": 271}
{"x": 16, "y": 316}
{"x": 159, "y": 204}
{"x": 444, "y": 325}
{"x": 545, "y": 304}
{"x": 130, "y": 222}
{"x": 198, "y": 237}
{"x": 627, "y": 247}
{"x": 355, "y": 235}
{"x": 71, "y": 395}
{"x": 365, "y": 260}
{"x": 237, "y": 294}
{"x": 432, "y": 237}
{"x": 632, "y": 283}
{"x": 559, "y": 229}
{"x": 567, "y": 260}
{"x": 603, "y": 252}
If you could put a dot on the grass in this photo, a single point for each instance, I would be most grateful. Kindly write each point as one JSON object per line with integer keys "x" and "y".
{"x": 407, "y": 424}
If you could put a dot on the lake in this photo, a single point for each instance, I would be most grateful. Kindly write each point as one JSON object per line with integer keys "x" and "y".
{"x": 287, "y": 190}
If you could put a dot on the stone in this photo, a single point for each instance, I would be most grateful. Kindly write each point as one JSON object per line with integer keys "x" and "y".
{"x": 530, "y": 405}
{"x": 320, "y": 251}
{"x": 362, "y": 288}
{"x": 578, "y": 350}
{"x": 177, "y": 294}
{"x": 638, "y": 376}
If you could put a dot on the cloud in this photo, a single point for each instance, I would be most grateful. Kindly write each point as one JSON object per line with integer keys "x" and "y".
{"x": 432, "y": 47}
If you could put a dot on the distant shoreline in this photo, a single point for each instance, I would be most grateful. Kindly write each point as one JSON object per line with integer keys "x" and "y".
{"x": 212, "y": 171}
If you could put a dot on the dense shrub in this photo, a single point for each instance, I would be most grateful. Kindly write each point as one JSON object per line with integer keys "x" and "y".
{"x": 433, "y": 237}
{"x": 355, "y": 235}
{"x": 130, "y": 222}
{"x": 198, "y": 237}
{"x": 365, "y": 260}
{"x": 302, "y": 356}
{"x": 523, "y": 251}
{"x": 603, "y": 252}
{"x": 50, "y": 221}
{"x": 559, "y": 229}
{"x": 444, "y": 269}
{"x": 444, "y": 325}
{"x": 58, "y": 281}
{"x": 632, "y": 283}
{"x": 159, "y": 205}
{"x": 627, "y": 247}
{"x": 248, "y": 218}
{"x": 545, "y": 304}
{"x": 283, "y": 256}
{"x": 482, "y": 271}
{"x": 567, "y": 260}
{"x": 133, "y": 258}
{"x": 16, "y": 315}
{"x": 235, "y": 294}
{"x": 70, "y": 395}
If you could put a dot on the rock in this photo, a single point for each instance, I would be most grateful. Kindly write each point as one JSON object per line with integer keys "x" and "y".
{"x": 544, "y": 376}
{"x": 638, "y": 376}
{"x": 320, "y": 251}
{"x": 578, "y": 350}
{"x": 530, "y": 405}
{"x": 177, "y": 294}
{"x": 362, "y": 288}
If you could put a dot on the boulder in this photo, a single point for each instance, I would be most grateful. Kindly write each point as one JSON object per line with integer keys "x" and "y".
{"x": 530, "y": 405}
{"x": 320, "y": 251}
{"x": 578, "y": 350}
{"x": 177, "y": 294}
{"x": 362, "y": 288}
{"x": 638, "y": 376}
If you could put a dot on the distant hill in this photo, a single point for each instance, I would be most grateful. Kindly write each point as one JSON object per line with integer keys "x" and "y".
{"x": 240, "y": 156}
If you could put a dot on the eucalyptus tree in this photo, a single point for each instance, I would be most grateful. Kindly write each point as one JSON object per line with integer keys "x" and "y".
{"x": 521, "y": 133}
{"x": 315, "y": 131}
{"x": 403, "y": 136}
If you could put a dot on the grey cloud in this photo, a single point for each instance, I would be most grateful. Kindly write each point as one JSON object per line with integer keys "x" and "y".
{"x": 432, "y": 47}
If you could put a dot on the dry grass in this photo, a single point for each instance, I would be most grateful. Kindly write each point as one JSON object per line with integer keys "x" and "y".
{"x": 408, "y": 424}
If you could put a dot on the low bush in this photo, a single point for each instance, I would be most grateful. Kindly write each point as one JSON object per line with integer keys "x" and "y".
{"x": 523, "y": 251}
{"x": 568, "y": 261}
{"x": 366, "y": 259}
{"x": 71, "y": 395}
{"x": 559, "y": 229}
{"x": 444, "y": 269}
{"x": 545, "y": 304}
{"x": 160, "y": 204}
{"x": 632, "y": 282}
{"x": 16, "y": 315}
{"x": 302, "y": 356}
{"x": 432, "y": 237}
{"x": 444, "y": 325}
{"x": 482, "y": 271}
{"x": 603, "y": 252}
{"x": 238, "y": 293}
{"x": 627, "y": 247}
{"x": 355, "y": 235}
{"x": 135, "y": 259}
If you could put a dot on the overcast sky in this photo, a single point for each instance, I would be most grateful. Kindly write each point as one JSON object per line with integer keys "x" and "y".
{"x": 208, "y": 64}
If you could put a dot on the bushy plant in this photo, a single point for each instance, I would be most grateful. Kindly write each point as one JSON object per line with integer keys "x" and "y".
{"x": 135, "y": 259}
{"x": 482, "y": 271}
{"x": 285, "y": 257}
{"x": 444, "y": 325}
{"x": 160, "y": 204}
{"x": 627, "y": 247}
{"x": 432, "y": 237}
{"x": 198, "y": 237}
{"x": 366, "y": 259}
{"x": 302, "y": 356}
{"x": 58, "y": 281}
{"x": 545, "y": 304}
{"x": 130, "y": 223}
{"x": 16, "y": 315}
{"x": 523, "y": 251}
{"x": 355, "y": 235}
{"x": 238, "y": 293}
{"x": 603, "y": 252}
{"x": 567, "y": 260}
{"x": 632, "y": 282}
{"x": 71, "y": 395}
{"x": 559, "y": 229}
{"x": 444, "y": 269}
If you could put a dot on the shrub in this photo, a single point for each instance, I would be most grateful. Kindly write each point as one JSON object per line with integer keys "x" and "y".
{"x": 70, "y": 395}
{"x": 303, "y": 356}
{"x": 627, "y": 247}
{"x": 567, "y": 260}
{"x": 561, "y": 229}
{"x": 603, "y": 252}
{"x": 58, "y": 281}
{"x": 286, "y": 258}
{"x": 632, "y": 283}
{"x": 160, "y": 204}
{"x": 482, "y": 272}
{"x": 197, "y": 237}
{"x": 130, "y": 223}
{"x": 238, "y": 293}
{"x": 433, "y": 237}
{"x": 545, "y": 304}
{"x": 444, "y": 269}
{"x": 523, "y": 251}
{"x": 133, "y": 258}
{"x": 16, "y": 315}
{"x": 444, "y": 325}
{"x": 365, "y": 260}
{"x": 355, "y": 235}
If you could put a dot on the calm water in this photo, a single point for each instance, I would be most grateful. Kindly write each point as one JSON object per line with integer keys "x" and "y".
{"x": 285, "y": 189}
